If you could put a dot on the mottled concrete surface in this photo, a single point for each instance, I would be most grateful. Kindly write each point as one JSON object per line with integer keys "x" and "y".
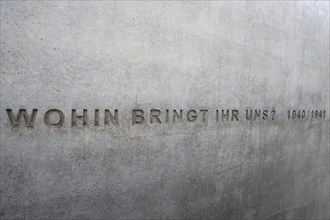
{"x": 165, "y": 55}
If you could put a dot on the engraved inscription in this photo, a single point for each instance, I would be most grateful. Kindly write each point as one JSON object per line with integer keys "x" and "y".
{"x": 55, "y": 118}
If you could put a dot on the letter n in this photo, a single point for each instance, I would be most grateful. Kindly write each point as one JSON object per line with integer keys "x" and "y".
{"x": 15, "y": 121}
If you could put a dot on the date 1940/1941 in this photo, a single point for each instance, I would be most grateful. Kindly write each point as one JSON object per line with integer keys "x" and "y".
{"x": 306, "y": 114}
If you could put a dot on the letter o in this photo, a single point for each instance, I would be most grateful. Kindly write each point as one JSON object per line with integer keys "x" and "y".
{"x": 49, "y": 112}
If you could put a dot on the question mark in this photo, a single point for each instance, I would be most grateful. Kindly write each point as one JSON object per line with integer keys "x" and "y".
{"x": 273, "y": 114}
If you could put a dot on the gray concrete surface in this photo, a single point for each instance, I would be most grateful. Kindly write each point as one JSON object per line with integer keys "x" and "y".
{"x": 165, "y": 55}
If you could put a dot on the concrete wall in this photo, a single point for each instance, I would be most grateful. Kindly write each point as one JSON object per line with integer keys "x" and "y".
{"x": 165, "y": 55}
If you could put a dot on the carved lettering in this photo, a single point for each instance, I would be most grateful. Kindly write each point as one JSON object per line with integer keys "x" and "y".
{"x": 56, "y": 124}
{"x": 177, "y": 115}
{"x": 155, "y": 113}
{"x": 75, "y": 117}
{"x": 108, "y": 115}
{"x": 204, "y": 114}
{"x": 191, "y": 115}
{"x": 137, "y": 116}
{"x": 15, "y": 121}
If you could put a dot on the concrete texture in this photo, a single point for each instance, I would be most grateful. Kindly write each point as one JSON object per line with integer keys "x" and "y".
{"x": 165, "y": 55}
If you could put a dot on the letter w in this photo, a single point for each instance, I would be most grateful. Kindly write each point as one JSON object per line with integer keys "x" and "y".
{"x": 15, "y": 121}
